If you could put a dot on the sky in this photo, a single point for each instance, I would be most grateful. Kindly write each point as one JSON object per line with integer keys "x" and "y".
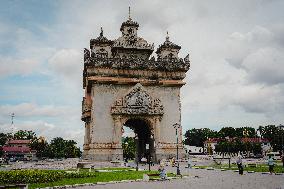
{"x": 236, "y": 51}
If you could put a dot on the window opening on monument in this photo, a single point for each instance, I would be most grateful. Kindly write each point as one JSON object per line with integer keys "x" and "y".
{"x": 137, "y": 134}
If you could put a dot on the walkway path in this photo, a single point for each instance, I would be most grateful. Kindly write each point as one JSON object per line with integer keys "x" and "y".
{"x": 207, "y": 179}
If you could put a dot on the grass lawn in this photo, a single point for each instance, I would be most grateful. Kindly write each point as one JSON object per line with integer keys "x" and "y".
{"x": 259, "y": 168}
{"x": 99, "y": 177}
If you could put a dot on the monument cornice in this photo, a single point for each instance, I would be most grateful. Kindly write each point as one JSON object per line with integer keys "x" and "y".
{"x": 147, "y": 74}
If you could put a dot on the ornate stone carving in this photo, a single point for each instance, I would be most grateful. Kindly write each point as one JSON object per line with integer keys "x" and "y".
{"x": 138, "y": 43}
{"x": 140, "y": 64}
{"x": 137, "y": 102}
{"x": 85, "y": 106}
{"x": 100, "y": 40}
{"x": 186, "y": 59}
{"x": 86, "y": 54}
{"x": 86, "y": 110}
{"x": 104, "y": 145}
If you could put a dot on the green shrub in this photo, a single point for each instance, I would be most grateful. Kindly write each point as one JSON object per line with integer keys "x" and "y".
{"x": 38, "y": 176}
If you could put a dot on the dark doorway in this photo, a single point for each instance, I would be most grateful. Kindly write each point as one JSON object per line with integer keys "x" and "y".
{"x": 143, "y": 139}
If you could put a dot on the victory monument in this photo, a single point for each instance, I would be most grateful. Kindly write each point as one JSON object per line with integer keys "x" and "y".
{"x": 126, "y": 86}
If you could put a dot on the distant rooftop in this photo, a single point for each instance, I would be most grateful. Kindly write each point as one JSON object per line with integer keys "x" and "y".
{"x": 19, "y": 141}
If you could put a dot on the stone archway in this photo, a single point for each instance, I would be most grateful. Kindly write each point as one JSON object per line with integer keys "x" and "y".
{"x": 127, "y": 65}
{"x": 144, "y": 137}
{"x": 139, "y": 111}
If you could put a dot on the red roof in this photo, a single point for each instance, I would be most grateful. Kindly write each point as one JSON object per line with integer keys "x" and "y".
{"x": 255, "y": 140}
{"x": 212, "y": 140}
{"x": 16, "y": 149}
{"x": 19, "y": 141}
{"x": 251, "y": 140}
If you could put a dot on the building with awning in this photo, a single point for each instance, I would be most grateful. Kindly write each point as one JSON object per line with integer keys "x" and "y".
{"x": 19, "y": 149}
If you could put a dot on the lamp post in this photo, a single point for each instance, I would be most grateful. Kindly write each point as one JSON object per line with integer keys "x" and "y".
{"x": 228, "y": 149}
{"x": 137, "y": 158}
{"x": 126, "y": 150}
{"x": 281, "y": 127}
{"x": 150, "y": 148}
{"x": 177, "y": 126}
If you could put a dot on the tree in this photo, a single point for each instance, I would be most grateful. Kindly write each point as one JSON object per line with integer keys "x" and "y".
{"x": 227, "y": 132}
{"x": 274, "y": 134}
{"x": 197, "y": 137}
{"x": 256, "y": 148}
{"x": 129, "y": 147}
{"x": 60, "y": 148}
{"x": 24, "y": 135}
{"x": 41, "y": 147}
{"x": 4, "y": 137}
{"x": 71, "y": 150}
{"x": 242, "y": 132}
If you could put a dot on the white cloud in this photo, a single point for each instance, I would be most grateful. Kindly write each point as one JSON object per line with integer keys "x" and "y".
{"x": 32, "y": 109}
{"x": 266, "y": 65}
{"x": 10, "y": 66}
{"x": 258, "y": 54}
{"x": 235, "y": 48}
{"x": 260, "y": 99}
{"x": 67, "y": 63}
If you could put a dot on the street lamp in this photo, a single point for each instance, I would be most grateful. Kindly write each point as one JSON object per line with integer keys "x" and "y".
{"x": 150, "y": 148}
{"x": 281, "y": 127}
{"x": 177, "y": 126}
{"x": 137, "y": 143}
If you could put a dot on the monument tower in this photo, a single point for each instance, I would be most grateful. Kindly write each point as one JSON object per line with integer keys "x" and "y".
{"x": 126, "y": 86}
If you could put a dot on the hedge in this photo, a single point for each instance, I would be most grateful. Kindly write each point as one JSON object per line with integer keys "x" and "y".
{"x": 38, "y": 176}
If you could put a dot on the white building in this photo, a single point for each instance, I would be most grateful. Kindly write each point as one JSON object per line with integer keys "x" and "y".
{"x": 193, "y": 149}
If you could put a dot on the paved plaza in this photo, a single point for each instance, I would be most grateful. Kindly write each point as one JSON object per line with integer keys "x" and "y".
{"x": 207, "y": 179}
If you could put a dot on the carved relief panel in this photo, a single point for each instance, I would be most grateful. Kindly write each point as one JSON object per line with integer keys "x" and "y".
{"x": 137, "y": 102}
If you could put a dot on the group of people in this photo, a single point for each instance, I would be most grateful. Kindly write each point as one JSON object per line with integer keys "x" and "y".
{"x": 270, "y": 163}
{"x": 239, "y": 162}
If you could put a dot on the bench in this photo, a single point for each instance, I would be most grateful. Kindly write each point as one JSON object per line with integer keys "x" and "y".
{"x": 146, "y": 177}
{"x": 21, "y": 186}
{"x": 153, "y": 174}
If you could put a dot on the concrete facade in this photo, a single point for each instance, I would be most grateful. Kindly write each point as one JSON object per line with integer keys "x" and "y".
{"x": 125, "y": 87}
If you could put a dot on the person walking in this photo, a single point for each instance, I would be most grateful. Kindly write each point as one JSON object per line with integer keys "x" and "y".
{"x": 189, "y": 163}
{"x": 270, "y": 163}
{"x": 162, "y": 171}
{"x": 240, "y": 165}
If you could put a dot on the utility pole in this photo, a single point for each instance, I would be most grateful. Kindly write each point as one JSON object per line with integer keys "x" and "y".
{"x": 12, "y": 122}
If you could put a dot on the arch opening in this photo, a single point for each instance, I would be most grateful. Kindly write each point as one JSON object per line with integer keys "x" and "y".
{"x": 143, "y": 138}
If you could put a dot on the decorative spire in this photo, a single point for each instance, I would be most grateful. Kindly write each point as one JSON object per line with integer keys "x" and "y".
{"x": 167, "y": 37}
{"x": 129, "y": 17}
{"x": 102, "y": 32}
{"x": 167, "y": 44}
